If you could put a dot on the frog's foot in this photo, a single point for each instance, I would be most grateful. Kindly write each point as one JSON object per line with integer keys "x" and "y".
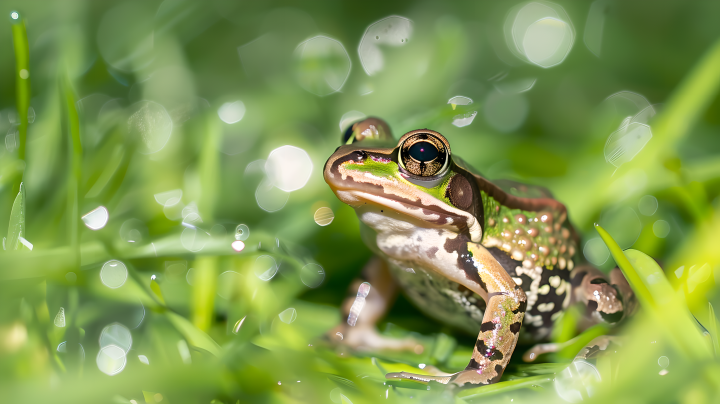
{"x": 531, "y": 354}
{"x": 366, "y": 338}
{"x": 597, "y": 347}
{"x": 465, "y": 378}
{"x": 608, "y": 302}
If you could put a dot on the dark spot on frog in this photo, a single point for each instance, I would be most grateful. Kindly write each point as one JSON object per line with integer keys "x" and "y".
{"x": 464, "y": 260}
{"x": 592, "y": 351}
{"x": 488, "y": 326}
{"x": 522, "y": 306}
{"x": 598, "y": 281}
{"x": 515, "y": 327}
{"x": 577, "y": 279}
{"x": 499, "y": 370}
{"x": 488, "y": 351}
{"x": 432, "y": 251}
{"x": 472, "y": 365}
{"x": 591, "y": 307}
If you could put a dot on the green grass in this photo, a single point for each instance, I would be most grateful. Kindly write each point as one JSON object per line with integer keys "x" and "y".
{"x": 220, "y": 337}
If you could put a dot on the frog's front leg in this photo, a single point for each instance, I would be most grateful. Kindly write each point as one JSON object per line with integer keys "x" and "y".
{"x": 369, "y": 298}
{"x": 502, "y": 320}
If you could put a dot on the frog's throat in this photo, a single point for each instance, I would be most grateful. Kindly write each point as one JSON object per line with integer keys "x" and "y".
{"x": 428, "y": 214}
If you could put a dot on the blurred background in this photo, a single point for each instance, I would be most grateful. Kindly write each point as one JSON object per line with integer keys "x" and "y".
{"x": 173, "y": 239}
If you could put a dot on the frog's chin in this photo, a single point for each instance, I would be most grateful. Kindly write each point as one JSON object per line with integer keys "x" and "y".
{"x": 459, "y": 222}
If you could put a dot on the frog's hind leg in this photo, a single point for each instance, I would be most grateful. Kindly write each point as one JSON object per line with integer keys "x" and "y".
{"x": 369, "y": 298}
{"x": 502, "y": 320}
{"x": 608, "y": 302}
{"x": 599, "y": 346}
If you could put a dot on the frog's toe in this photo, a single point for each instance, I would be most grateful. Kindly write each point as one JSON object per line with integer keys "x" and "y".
{"x": 368, "y": 339}
{"x": 444, "y": 379}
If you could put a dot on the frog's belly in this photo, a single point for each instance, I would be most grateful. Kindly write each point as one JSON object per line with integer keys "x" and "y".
{"x": 439, "y": 297}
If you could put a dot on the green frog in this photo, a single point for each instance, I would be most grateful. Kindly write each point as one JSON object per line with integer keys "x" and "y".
{"x": 499, "y": 258}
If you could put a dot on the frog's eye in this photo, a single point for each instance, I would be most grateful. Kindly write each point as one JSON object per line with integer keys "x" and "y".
{"x": 424, "y": 154}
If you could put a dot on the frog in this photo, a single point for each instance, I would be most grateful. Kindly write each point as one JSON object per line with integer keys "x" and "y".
{"x": 496, "y": 258}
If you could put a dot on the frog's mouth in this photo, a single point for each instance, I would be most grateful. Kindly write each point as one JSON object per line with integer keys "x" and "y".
{"x": 460, "y": 223}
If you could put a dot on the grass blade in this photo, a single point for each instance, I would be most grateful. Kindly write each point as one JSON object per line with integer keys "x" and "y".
{"x": 22, "y": 84}
{"x": 75, "y": 172}
{"x": 658, "y": 298}
{"x": 16, "y": 228}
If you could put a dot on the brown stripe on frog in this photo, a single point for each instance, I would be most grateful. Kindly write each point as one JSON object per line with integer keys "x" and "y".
{"x": 459, "y": 245}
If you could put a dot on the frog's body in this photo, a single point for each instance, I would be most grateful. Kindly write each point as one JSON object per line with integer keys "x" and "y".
{"x": 465, "y": 251}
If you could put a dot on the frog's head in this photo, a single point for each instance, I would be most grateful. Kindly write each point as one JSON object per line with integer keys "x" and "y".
{"x": 416, "y": 178}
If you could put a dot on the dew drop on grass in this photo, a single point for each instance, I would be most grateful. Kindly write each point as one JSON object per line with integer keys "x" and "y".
{"x": 113, "y": 274}
{"x": 111, "y": 360}
{"x": 265, "y": 267}
{"x": 288, "y": 316}
{"x": 116, "y": 334}
{"x": 322, "y": 65}
{"x": 242, "y": 232}
{"x": 60, "y": 318}
{"x": 97, "y": 218}
{"x": 312, "y": 275}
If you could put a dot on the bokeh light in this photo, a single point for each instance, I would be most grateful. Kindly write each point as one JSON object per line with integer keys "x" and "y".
{"x": 322, "y": 65}
{"x": 539, "y": 33}
{"x": 391, "y": 31}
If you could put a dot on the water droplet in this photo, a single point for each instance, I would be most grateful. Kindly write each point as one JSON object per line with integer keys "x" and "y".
{"x": 349, "y": 118}
{"x": 625, "y": 143}
{"x": 31, "y": 115}
{"x": 339, "y": 335}
{"x": 238, "y": 324}
{"x": 60, "y": 318}
{"x": 312, "y": 275}
{"x": 116, "y": 334}
{"x": 14, "y": 15}
{"x": 462, "y": 120}
{"x": 663, "y": 361}
{"x": 62, "y": 348}
{"x": 623, "y": 224}
{"x": 459, "y": 100}
{"x": 24, "y": 74}
{"x": 169, "y": 198}
{"x": 539, "y": 33}
{"x": 133, "y": 231}
{"x": 111, "y": 360}
{"x": 151, "y": 124}
{"x": 265, "y": 267}
{"x": 242, "y": 232}
{"x": 322, "y": 65}
{"x": 71, "y": 277}
{"x": 190, "y": 276}
{"x": 515, "y": 86}
{"x": 661, "y": 228}
{"x": 270, "y": 198}
{"x": 648, "y": 205}
{"x": 583, "y": 377}
{"x": 288, "y": 316}
{"x": 388, "y": 32}
{"x": 113, "y": 274}
{"x": 237, "y": 245}
{"x": 232, "y": 112}
{"x": 358, "y": 304}
{"x": 595, "y": 25}
{"x": 596, "y": 251}
{"x": 288, "y": 168}
{"x": 228, "y": 284}
{"x": 194, "y": 239}
{"x": 218, "y": 231}
{"x": 324, "y": 216}
{"x": 184, "y": 351}
{"x": 143, "y": 359}
{"x": 12, "y": 140}
{"x": 97, "y": 218}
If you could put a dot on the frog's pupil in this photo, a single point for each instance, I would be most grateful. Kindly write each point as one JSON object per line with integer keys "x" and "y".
{"x": 423, "y": 152}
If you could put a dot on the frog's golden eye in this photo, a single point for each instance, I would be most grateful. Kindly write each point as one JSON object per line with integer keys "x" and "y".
{"x": 424, "y": 154}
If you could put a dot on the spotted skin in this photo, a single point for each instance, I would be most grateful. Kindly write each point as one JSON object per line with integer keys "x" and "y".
{"x": 475, "y": 254}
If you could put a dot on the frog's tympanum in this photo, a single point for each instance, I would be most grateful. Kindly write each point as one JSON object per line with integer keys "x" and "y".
{"x": 499, "y": 258}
